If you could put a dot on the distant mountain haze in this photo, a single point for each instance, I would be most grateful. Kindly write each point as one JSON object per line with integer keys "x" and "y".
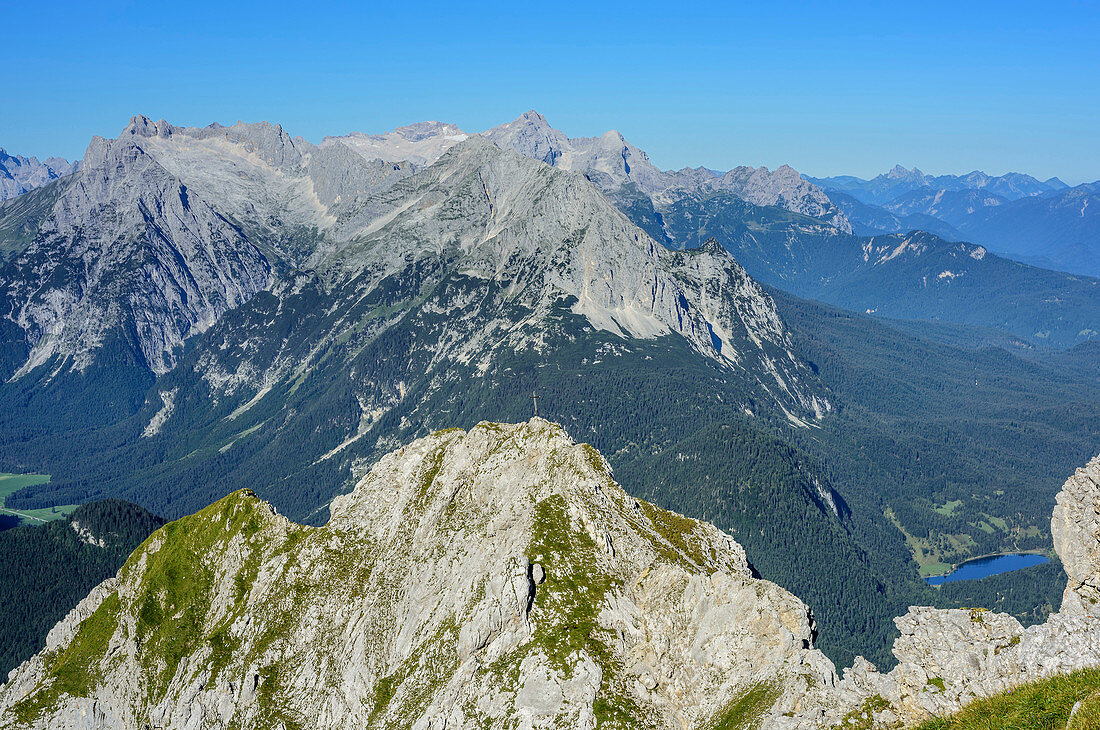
{"x": 1046, "y": 223}
{"x": 20, "y": 174}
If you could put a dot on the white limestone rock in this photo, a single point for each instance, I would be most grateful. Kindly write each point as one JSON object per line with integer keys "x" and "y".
{"x": 1075, "y": 528}
{"x": 418, "y": 606}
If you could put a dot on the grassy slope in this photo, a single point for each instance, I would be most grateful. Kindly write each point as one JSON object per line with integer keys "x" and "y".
{"x": 1040, "y": 705}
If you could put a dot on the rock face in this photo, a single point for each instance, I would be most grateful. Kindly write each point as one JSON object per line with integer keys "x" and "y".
{"x": 127, "y": 248}
{"x": 167, "y": 228}
{"x": 495, "y": 578}
{"x": 553, "y": 239}
{"x": 20, "y": 174}
{"x": 1075, "y": 528}
{"x": 501, "y": 578}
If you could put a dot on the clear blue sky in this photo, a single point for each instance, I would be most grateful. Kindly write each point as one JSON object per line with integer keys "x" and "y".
{"x": 829, "y": 88}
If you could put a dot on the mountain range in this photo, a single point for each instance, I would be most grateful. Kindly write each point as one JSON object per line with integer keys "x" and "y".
{"x": 1045, "y": 223}
{"x": 897, "y": 182}
{"x": 922, "y": 277}
{"x": 196, "y": 311}
{"x": 20, "y": 174}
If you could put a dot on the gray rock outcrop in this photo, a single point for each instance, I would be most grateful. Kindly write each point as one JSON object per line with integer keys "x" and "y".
{"x": 491, "y": 578}
{"x": 1075, "y": 528}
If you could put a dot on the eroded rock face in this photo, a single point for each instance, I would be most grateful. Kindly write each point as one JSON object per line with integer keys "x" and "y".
{"x": 165, "y": 229}
{"x": 127, "y": 251}
{"x": 496, "y": 577}
{"x": 1075, "y": 528}
{"x": 612, "y": 163}
{"x": 500, "y": 578}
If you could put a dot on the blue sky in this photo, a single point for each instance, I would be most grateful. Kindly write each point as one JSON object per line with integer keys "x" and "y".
{"x": 829, "y": 88}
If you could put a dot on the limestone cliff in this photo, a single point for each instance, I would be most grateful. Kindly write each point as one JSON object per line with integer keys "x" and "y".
{"x": 491, "y": 578}
{"x": 1075, "y": 528}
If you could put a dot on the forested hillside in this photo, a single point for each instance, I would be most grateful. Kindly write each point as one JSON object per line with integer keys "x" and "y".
{"x": 962, "y": 447}
{"x": 921, "y": 426}
{"x": 47, "y": 569}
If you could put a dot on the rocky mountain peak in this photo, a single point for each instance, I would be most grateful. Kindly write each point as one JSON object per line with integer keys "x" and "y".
{"x": 549, "y": 235}
{"x": 613, "y": 164}
{"x": 500, "y": 576}
{"x": 900, "y": 173}
{"x": 423, "y": 130}
{"x": 531, "y": 136}
{"x": 20, "y": 174}
{"x": 489, "y": 577}
{"x": 126, "y": 225}
{"x": 142, "y": 126}
{"x": 533, "y": 117}
{"x": 234, "y": 205}
{"x": 420, "y": 144}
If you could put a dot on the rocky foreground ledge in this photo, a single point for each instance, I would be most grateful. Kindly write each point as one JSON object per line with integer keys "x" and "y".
{"x": 501, "y": 578}
{"x": 496, "y": 577}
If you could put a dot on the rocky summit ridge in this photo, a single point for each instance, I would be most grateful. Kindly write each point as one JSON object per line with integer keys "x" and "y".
{"x": 491, "y": 578}
{"x": 501, "y": 578}
{"x": 165, "y": 229}
{"x": 614, "y": 164}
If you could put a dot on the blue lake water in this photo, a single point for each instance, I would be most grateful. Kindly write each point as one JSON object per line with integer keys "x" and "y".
{"x": 985, "y": 567}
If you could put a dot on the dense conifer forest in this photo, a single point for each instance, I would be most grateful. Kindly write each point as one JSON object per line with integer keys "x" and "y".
{"x": 47, "y": 569}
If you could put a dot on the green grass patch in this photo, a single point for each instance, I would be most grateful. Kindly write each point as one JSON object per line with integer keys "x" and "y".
{"x": 572, "y": 592}
{"x": 1042, "y": 705}
{"x": 746, "y": 710}
{"x": 933, "y": 568}
{"x": 679, "y": 531}
{"x": 863, "y": 717}
{"x": 948, "y": 508}
{"x": 567, "y": 606}
{"x": 12, "y": 483}
{"x": 176, "y": 588}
